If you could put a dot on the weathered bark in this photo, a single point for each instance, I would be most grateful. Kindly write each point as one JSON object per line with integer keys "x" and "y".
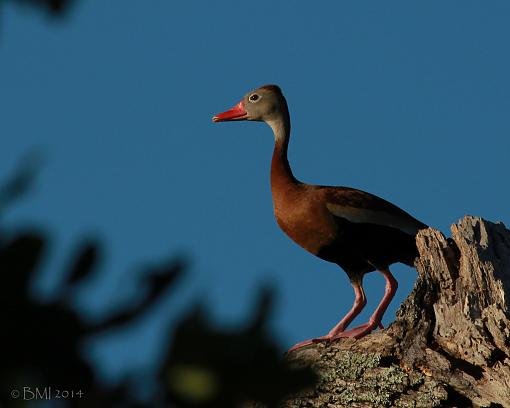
{"x": 450, "y": 343}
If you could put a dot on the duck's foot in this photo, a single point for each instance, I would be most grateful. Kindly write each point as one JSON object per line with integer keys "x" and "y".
{"x": 309, "y": 342}
{"x": 359, "y": 332}
{"x": 356, "y": 333}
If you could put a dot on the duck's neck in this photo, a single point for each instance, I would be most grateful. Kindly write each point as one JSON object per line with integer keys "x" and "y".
{"x": 281, "y": 173}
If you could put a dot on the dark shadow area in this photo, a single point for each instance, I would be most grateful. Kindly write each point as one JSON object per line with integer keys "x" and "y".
{"x": 207, "y": 367}
{"x": 41, "y": 342}
{"x": 56, "y": 8}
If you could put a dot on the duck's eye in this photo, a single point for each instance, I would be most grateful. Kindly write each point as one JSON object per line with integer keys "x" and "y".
{"x": 254, "y": 98}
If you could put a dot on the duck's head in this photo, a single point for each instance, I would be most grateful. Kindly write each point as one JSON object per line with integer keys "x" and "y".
{"x": 264, "y": 104}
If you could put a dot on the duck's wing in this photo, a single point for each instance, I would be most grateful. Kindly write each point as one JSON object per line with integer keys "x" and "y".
{"x": 359, "y": 206}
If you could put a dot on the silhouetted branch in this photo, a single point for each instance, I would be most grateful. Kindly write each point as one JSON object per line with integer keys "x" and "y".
{"x": 21, "y": 181}
{"x": 83, "y": 263}
{"x": 158, "y": 280}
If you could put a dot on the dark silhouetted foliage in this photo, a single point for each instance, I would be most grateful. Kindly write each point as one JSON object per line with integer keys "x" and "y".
{"x": 41, "y": 342}
{"x": 54, "y": 7}
{"x": 207, "y": 367}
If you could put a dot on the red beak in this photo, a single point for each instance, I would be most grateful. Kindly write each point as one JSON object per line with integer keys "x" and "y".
{"x": 236, "y": 113}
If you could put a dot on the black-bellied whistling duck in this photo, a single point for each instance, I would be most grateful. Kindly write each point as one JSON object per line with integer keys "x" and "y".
{"x": 358, "y": 231}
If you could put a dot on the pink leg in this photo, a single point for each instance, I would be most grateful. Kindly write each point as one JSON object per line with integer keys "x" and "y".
{"x": 359, "y": 303}
{"x": 375, "y": 319}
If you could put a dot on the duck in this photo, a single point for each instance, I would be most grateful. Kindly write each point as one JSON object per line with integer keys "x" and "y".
{"x": 358, "y": 231}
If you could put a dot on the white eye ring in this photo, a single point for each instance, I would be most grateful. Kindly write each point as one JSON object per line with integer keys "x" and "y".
{"x": 254, "y": 98}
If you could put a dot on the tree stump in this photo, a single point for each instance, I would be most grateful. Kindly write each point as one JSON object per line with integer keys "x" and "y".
{"x": 450, "y": 343}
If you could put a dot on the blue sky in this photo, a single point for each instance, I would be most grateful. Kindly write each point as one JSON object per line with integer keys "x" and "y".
{"x": 407, "y": 100}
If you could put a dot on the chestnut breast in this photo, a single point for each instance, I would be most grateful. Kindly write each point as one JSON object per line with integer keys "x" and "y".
{"x": 301, "y": 213}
